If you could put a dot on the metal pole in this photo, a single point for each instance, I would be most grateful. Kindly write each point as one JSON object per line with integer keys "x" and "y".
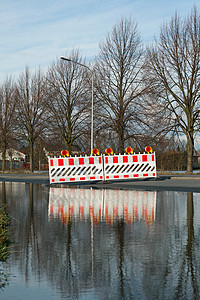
{"x": 92, "y": 106}
{"x": 92, "y": 113}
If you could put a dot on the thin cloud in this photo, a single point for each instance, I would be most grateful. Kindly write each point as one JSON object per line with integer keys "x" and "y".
{"x": 35, "y": 32}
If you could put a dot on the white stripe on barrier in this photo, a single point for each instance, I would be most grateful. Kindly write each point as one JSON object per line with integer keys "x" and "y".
{"x": 71, "y": 169}
{"x": 129, "y": 166}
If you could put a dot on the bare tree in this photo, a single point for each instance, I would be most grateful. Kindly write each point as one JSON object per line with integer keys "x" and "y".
{"x": 118, "y": 81}
{"x": 68, "y": 97}
{"x": 173, "y": 73}
{"x": 31, "y": 109}
{"x": 7, "y": 116}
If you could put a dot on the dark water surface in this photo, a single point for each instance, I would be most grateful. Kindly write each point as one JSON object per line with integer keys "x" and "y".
{"x": 101, "y": 244}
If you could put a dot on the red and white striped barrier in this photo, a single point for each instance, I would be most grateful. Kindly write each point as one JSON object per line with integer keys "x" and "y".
{"x": 91, "y": 168}
{"x": 129, "y": 166}
{"x": 71, "y": 169}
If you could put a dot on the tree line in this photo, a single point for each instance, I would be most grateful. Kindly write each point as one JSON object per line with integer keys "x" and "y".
{"x": 143, "y": 95}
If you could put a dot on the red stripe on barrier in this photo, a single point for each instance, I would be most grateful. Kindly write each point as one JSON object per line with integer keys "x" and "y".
{"x": 145, "y": 175}
{"x": 51, "y": 162}
{"x": 71, "y": 161}
{"x": 126, "y": 176}
{"x": 106, "y": 160}
{"x": 144, "y": 158}
{"x": 101, "y": 177}
{"x": 154, "y": 174}
{"x": 100, "y": 160}
{"x": 82, "y": 178}
{"x": 115, "y": 159}
{"x": 72, "y": 179}
{"x": 116, "y": 176}
{"x": 107, "y": 177}
{"x": 92, "y": 177}
{"x": 62, "y": 179}
{"x": 153, "y": 158}
{"x": 135, "y": 158}
{"x": 60, "y": 162}
{"x": 81, "y": 161}
{"x": 91, "y": 160}
{"x": 125, "y": 159}
{"x": 52, "y": 180}
{"x": 135, "y": 175}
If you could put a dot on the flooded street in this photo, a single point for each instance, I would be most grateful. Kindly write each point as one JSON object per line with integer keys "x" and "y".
{"x": 101, "y": 244}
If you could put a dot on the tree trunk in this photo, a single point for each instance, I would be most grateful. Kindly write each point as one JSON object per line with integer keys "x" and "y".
{"x": 39, "y": 156}
{"x": 31, "y": 156}
{"x": 39, "y": 163}
{"x": 11, "y": 164}
{"x": 69, "y": 135}
{"x": 190, "y": 150}
{"x": 121, "y": 142}
{"x": 69, "y": 147}
{"x": 3, "y": 155}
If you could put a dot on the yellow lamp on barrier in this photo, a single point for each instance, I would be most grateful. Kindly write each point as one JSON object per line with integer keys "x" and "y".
{"x": 65, "y": 153}
{"x": 148, "y": 149}
{"x": 95, "y": 151}
{"x": 129, "y": 150}
{"x": 109, "y": 151}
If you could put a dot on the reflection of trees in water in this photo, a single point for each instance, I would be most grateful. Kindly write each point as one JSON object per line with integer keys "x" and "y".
{"x": 188, "y": 271}
{"x": 68, "y": 274}
{"x": 31, "y": 237}
{"x": 4, "y": 237}
{"x": 27, "y": 227}
{"x": 123, "y": 260}
{"x": 3, "y": 193}
{"x": 120, "y": 230}
{"x": 43, "y": 249}
{"x": 181, "y": 264}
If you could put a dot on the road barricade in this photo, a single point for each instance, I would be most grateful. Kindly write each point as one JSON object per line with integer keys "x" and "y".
{"x": 69, "y": 169}
{"x": 101, "y": 168}
{"x": 129, "y": 166}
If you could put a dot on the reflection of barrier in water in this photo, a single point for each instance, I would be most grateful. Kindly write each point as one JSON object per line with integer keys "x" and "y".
{"x": 102, "y": 205}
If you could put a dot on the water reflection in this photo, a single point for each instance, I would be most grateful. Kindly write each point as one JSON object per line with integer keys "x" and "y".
{"x": 102, "y": 205}
{"x": 5, "y": 242}
{"x": 188, "y": 274}
{"x": 102, "y": 244}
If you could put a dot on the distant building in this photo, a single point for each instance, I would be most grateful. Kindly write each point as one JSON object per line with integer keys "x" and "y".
{"x": 14, "y": 155}
{"x": 196, "y": 159}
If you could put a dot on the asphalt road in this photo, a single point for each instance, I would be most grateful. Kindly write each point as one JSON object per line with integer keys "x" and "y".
{"x": 184, "y": 183}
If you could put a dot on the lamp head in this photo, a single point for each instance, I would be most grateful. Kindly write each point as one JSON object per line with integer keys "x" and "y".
{"x": 65, "y": 58}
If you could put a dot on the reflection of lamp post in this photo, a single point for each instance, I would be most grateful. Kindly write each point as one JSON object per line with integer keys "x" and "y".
{"x": 92, "y": 108}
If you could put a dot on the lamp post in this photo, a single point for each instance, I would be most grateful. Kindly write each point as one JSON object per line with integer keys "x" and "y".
{"x": 92, "y": 106}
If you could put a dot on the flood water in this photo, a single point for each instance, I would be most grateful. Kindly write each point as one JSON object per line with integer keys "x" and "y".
{"x": 101, "y": 244}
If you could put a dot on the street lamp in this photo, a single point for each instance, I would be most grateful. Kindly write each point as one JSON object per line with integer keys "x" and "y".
{"x": 92, "y": 108}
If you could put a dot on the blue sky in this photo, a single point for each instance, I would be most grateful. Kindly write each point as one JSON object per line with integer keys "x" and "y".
{"x": 36, "y": 32}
